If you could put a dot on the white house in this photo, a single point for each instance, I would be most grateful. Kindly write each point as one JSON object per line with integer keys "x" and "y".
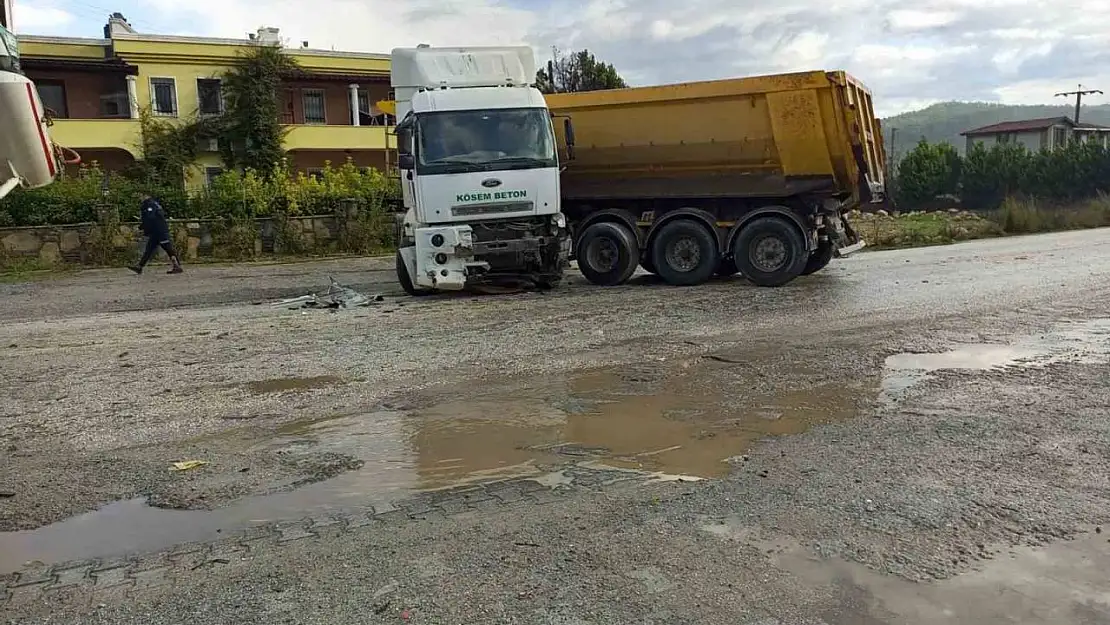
{"x": 1035, "y": 134}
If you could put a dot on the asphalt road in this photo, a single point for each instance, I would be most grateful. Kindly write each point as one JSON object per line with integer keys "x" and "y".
{"x": 641, "y": 454}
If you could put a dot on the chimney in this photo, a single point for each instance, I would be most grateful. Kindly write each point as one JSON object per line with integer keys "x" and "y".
{"x": 118, "y": 25}
{"x": 269, "y": 35}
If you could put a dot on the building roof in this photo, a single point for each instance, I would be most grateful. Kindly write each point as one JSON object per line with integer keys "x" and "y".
{"x": 1026, "y": 125}
{"x": 118, "y": 29}
{"x": 80, "y": 65}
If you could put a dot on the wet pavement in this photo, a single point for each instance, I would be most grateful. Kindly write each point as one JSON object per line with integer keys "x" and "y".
{"x": 910, "y": 437}
{"x": 698, "y": 427}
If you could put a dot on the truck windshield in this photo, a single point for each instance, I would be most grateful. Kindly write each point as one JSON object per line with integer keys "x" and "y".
{"x": 489, "y": 140}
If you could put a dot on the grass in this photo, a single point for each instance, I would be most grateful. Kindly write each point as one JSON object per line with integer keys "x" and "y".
{"x": 921, "y": 229}
{"x": 18, "y": 270}
{"x": 916, "y": 229}
{"x": 1027, "y": 216}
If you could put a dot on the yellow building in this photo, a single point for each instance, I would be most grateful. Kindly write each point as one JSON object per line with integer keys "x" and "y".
{"x": 96, "y": 88}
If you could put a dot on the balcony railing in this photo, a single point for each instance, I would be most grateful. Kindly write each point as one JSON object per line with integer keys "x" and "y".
{"x": 320, "y": 137}
{"x": 81, "y": 134}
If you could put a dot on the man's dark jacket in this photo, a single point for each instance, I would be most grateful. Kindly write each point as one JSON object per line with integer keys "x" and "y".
{"x": 154, "y": 224}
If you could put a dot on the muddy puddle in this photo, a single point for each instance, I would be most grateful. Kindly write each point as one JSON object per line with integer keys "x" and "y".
{"x": 1085, "y": 342}
{"x": 292, "y": 385}
{"x": 685, "y": 424}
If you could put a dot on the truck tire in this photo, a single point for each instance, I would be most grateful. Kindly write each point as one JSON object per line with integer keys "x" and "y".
{"x": 607, "y": 253}
{"x": 685, "y": 253}
{"x": 406, "y": 281}
{"x": 770, "y": 251}
{"x": 819, "y": 259}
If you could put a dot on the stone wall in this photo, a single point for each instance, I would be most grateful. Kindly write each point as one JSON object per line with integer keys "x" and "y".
{"x": 197, "y": 239}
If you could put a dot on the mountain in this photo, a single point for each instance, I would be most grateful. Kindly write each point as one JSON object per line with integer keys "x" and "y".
{"x": 946, "y": 120}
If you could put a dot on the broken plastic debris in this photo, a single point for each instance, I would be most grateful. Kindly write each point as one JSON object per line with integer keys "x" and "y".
{"x": 186, "y": 465}
{"x": 338, "y": 296}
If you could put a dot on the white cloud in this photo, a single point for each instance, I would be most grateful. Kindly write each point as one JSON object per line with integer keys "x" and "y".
{"x": 909, "y": 20}
{"x": 1007, "y": 50}
{"x": 40, "y": 17}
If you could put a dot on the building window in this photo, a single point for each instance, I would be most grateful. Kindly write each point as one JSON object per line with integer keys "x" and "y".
{"x": 1059, "y": 137}
{"x": 314, "y": 109}
{"x": 53, "y": 96}
{"x": 364, "y": 118}
{"x": 210, "y": 175}
{"x": 163, "y": 96}
{"x": 210, "y": 98}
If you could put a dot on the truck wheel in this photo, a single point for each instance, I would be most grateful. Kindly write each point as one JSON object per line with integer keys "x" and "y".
{"x": 406, "y": 281}
{"x": 770, "y": 251}
{"x": 819, "y": 259}
{"x": 685, "y": 253}
{"x": 607, "y": 254}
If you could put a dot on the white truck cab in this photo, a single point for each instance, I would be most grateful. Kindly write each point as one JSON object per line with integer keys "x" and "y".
{"x": 479, "y": 169}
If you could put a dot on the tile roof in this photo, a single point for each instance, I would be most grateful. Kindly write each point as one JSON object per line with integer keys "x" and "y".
{"x": 1020, "y": 126}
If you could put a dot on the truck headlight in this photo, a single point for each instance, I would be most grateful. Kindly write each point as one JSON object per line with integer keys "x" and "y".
{"x": 560, "y": 220}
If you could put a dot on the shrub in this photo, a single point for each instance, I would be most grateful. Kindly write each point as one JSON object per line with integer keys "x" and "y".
{"x": 234, "y": 195}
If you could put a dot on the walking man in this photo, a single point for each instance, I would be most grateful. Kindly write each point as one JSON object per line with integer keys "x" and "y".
{"x": 157, "y": 230}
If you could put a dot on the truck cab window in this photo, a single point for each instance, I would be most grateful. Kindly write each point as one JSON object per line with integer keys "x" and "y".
{"x": 489, "y": 140}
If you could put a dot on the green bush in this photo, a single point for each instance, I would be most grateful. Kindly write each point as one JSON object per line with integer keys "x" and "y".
{"x": 233, "y": 196}
{"x": 984, "y": 178}
{"x": 929, "y": 170}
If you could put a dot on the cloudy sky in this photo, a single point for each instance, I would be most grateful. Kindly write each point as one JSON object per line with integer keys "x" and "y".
{"x": 909, "y": 52}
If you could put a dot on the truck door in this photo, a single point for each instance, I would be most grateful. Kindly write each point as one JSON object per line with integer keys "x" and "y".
{"x": 405, "y": 146}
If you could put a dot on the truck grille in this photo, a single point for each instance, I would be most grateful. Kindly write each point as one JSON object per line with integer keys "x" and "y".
{"x": 467, "y": 210}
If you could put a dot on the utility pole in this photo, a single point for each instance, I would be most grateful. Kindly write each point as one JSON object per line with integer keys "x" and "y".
{"x": 890, "y": 157}
{"x": 552, "y": 67}
{"x": 1078, "y": 93}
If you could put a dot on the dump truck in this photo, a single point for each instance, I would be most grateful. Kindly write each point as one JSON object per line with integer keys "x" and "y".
{"x": 750, "y": 175}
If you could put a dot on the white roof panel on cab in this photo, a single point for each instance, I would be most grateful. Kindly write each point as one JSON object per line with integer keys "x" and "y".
{"x": 434, "y": 68}
{"x": 477, "y": 99}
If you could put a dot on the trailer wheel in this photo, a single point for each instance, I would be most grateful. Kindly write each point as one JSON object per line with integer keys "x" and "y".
{"x": 819, "y": 259}
{"x": 685, "y": 253}
{"x": 607, "y": 253}
{"x": 406, "y": 280}
{"x": 770, "y": 251}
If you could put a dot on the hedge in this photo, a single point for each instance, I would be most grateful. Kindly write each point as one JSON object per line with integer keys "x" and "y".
{"x": 984, "y": 178}
{"x": 232, "y": 195}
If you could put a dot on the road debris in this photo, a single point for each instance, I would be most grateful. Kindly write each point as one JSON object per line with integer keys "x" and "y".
{"x": 186, "y": 465}
{"x": 338, "y": 296}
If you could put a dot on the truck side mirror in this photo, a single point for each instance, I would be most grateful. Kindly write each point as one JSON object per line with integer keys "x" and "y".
{"x": 568, "y": 130}
{"x": 406, "y": 162}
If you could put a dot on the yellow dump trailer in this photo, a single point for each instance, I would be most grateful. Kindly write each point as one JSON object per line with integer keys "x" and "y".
{"x": 750, "y": 175}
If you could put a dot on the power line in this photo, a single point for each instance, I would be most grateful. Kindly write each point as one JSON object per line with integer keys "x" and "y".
{"x": 1078, "y": 93}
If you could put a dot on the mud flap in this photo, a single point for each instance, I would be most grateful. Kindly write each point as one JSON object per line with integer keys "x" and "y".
{"x": 846, "y": 241}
